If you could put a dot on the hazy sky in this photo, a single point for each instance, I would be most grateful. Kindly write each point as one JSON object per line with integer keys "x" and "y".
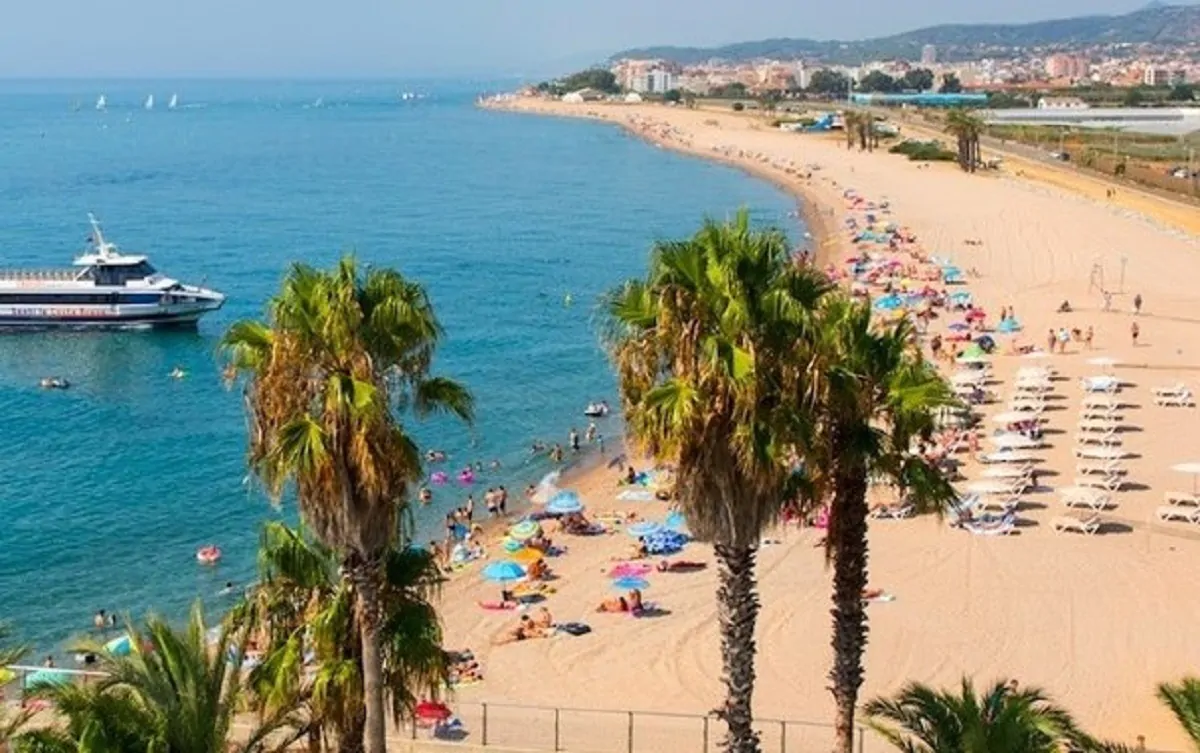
{"x": 165, "y": 38}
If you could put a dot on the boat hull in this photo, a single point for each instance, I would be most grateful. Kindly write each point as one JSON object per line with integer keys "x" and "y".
{"x": 101, "y": 317}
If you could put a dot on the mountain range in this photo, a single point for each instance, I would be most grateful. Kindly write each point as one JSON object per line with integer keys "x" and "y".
{"x": 1154, "y": 24}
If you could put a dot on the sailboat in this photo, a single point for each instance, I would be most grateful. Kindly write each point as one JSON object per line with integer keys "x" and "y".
{"x": 149, "y": 102}
{"x": 174, "y": 102}
{"x": 102, "y": 103}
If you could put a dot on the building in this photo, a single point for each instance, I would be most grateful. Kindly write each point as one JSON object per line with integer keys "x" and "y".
{"x": 802, "y": 75}
{"x": 655, "y": 81}
{"x": 1071, "y": 67}
{"x": 1155, "y": 76}
{"x": 928, "y": 55}
{"x": 1062, "y": 103}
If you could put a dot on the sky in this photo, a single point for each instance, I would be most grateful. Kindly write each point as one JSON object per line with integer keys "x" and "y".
{"x": 398, "y": 38}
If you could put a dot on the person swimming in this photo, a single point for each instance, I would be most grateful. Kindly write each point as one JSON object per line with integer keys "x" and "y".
{"x": 178, "y": 373}
{"x": 228, "y": 589}
{"x": 425, "y": 495}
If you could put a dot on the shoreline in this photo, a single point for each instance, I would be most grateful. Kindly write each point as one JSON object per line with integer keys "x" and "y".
{"x": 1026, "y": 605}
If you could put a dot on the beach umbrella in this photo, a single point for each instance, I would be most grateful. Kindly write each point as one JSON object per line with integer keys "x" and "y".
{"x": 888, "y": 302}
{"x": 645, "y": 528}
{"x": 565, "y": 502}
{"x": 119, "y": 646}
{"x": 675, "y": 521}
{"x": 986, "y": 342}
{"x": 1008, "y": 327}
{"x": 503, "y": 570}
{"x": 1012, "y": 441}
{"x": 526, "y": 556}
{"x": 630, "y": 584}
{"x": 524, "y": 530}
{"x": 974, "y": 350}
{"x": 1192, "y": 469}
{"x": 432, "y": 711}
{"x": 512, "y": 545}
{"x": 960, "y": 298}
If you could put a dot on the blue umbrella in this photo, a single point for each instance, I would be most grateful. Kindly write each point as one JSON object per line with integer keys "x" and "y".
{"x": 647, "y": 528}
{"x": 119, "y": 646}
{"x": 1008, "y": 326}
{"x": 564, "y": 503}
{"x": 889, "y": 302}
{"x": 503, "y": 570}
{"x": 961, "y": 298}
{"x": 630, "y": 584}
{"x": 675, "y": 521}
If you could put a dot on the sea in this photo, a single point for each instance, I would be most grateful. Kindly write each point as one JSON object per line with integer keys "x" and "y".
{"x": 515, "y": 223}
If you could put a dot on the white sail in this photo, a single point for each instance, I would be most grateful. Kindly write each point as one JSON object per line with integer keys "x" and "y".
{"x": 174, "y": 102}
{"x": 149, "y": 102}
{"x": 102, "y": 103}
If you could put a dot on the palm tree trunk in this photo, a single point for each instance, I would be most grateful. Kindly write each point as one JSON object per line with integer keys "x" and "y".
{"x": 350, "y": 739}
{"x": 314, "y": 738}
{"x": 737, "y": 604}
{"x": 366, "y": 577}
{"x": 848, "y": 537}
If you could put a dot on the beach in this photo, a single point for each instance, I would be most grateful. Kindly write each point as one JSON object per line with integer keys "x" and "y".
{"x": 1095, "y": 620}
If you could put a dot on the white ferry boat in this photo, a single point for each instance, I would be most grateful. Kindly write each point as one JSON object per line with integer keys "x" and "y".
{"x": 106, "y": 288}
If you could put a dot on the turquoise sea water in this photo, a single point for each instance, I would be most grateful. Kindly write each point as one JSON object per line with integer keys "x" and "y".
{"x": 106, "y": 490}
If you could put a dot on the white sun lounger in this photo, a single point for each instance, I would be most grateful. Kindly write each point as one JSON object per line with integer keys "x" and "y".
{"x": 1107, "y": 468}
{"x": 1081, "y": 496}
{"x": 1007, "y": 471}
{"x": 1182, "y": 400}
{"x": 1011, "y": 456}
{"x": 893, "y": 513}
{"x": 1093, "y": 412}
{"x": 1108, "y": 439}
{"x": 1109, "y": 483}
{"x": 1176, "y": 389}
{"x": 1105, "y": 384}
{"x": 1182, "y": 499}
{"x": 1067, "y": 523}
{"x": 1176, "y": 513}
{"x": 1100, "y": 401}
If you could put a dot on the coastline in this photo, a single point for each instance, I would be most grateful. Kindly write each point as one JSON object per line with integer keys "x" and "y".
{"x": 1027, "y": 605}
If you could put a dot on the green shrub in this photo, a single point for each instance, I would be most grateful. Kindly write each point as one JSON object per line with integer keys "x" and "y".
{"x": 738, "y": 107}
{"x": 924, "y": 151}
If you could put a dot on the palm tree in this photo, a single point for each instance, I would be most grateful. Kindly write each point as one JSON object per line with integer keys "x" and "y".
{"x": 301, "y": 605}
{"x": 850, "y": 121}
{"x": 706, "y": 351}
{"x": 965, "y": 126}
{"x": 343, "y": 351}
{"x": 1183, "y": 699}
{"x": 173, "y": 693}
{"x": 920, "y": 719}
{"x": 10, "y": 723}
{"x": 876, "y": 396}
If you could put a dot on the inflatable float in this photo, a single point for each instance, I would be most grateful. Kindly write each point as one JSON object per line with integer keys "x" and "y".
{"x": 208, "y": 555}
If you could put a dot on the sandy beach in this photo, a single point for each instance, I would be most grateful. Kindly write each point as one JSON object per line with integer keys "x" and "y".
{"x": 1097, "y": 620}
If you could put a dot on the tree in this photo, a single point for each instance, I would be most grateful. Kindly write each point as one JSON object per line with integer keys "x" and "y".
{"x": 342, "y": 351}
{"x": 950, "y": 84}
{"x": 10, "y": 723}
{"x": 920, "y": 719}
{"x": 917, "y": 79}
{"x": 709, "y": 370}
{"x": 1183, "y": 699}
{"x": 734, "y": 90}
{"x": 876, "y": 395}
{"x": 1134, "y": 97}
{"x": 966, "y": 127}
{"x": 832, "y": 83}
{"x": 173, "y": 693}
{"x": 672, "y": 95}
{"x": 302, "y": 607}
{"x": 850, "y": 123}
{"x": 1182, "y": 93}
{"x": 877, "y": 81}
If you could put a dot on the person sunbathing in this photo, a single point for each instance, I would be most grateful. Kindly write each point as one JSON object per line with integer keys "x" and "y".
{"x": 631, "y": 602}
{"x": 537, "y": 570}
{"x": 544, "y": 620}
{"x": 680, "y": 566}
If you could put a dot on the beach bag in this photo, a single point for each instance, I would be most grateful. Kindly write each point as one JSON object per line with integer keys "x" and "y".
{"x": 575, "y": 628}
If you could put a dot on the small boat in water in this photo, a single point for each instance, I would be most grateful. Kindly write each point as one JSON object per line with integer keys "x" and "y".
{"x": 596, "y": 410}
{"x": 102, "y": 103}
{"x": 149, "y": 104}
{"x": 54, "y": 383}
{"x": 105, "y": 288}
{"x": 174, "y": 102}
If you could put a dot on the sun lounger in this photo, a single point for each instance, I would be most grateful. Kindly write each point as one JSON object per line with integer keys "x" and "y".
{"x": 1080, "y": 496}
{"x": 1182, "y": 499}
{"x": 1066, "y": 523}
{"x": 1182, "y": 400}
{"x": 1180, "y": 514}
{"x": 1099, "y": 424}
{"x": 1110, "y": 483}
{"x": 1003, "y": 528}
{"x": 1108, "y": 439}
{"x": 902, "y": 512}
{"x": 1091, "y": 413}
{"x": 1105, "y": 468}
{"x": 1010, "y": 456}
{"x": 1094, "y": 400}
{"x": 1105, "y": 384}
{"x": 1176, "y": 389}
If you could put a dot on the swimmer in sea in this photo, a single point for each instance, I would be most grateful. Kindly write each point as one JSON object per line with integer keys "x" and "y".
{"x": 425, "y": 495}
{"x": 178, "y": 373}
{"x": 227, "y": 590}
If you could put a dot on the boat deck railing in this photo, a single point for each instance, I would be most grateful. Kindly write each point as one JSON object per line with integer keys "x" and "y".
{"x": 57, "y": 275}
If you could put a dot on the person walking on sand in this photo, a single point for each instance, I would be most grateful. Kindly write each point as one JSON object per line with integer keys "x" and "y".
{"x": 1088, "y": 334}
{"x": 1137, "y": 303}
{"x": 1134, "y": 332}
{"x": 1050, "y": 341}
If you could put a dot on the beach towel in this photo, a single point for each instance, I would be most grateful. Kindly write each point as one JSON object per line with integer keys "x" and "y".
{"x": 631, "y": 495}
{"x": 574, "y": 628}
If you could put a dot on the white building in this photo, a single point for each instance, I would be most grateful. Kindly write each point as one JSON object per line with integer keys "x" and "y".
{"x": 802, "y": 75}
{"x": 1154, "y": 76}
{"x": 656, "y": 81}
{"x": 928, "y": 55}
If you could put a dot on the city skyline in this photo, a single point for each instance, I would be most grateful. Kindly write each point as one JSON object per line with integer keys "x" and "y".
{"x": 375, "y": 38}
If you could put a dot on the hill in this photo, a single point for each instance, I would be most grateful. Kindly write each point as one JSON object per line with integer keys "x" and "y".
{"x": 1154, "y": 24}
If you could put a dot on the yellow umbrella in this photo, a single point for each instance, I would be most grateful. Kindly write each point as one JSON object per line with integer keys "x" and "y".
{"x": 526, "y": 556}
